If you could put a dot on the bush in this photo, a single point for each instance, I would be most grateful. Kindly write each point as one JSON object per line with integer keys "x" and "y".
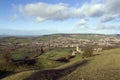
{"x": 88, "y": 51}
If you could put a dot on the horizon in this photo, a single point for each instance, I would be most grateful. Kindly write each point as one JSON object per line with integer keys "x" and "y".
{"x": 41, "y": 17}
{"x": 37, "y": 35}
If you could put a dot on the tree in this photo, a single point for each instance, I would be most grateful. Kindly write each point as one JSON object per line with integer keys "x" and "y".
{"x": 88, "y": 51}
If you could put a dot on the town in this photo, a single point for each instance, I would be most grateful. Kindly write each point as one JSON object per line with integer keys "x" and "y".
{"x": 63, "y": 41}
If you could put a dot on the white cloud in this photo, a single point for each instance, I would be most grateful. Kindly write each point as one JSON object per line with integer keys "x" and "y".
{"x": 113, "y": 6}
{"x": 111, "y": 10}
{"x": 103, "y": 26}
{"x": 91, "y": 10}
{"x": 44, "y": 11}
{"x": 39, "y": 19}
{"x": 104, "y": 10}
{"x": 82, "y": 22}
{"x": 108, "y": 17}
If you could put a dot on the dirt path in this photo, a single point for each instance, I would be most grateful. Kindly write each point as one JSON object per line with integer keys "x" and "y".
{"x": 101, "y": 67}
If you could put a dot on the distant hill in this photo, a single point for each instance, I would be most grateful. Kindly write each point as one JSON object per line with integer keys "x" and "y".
{"x": 61, "y": 34}
{"x": 53, "y": 36}
{"x": 1, "y": 36}
{"x": 117, "y": 35}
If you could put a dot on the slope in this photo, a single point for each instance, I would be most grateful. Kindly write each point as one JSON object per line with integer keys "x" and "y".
{"x": 101, "y": 67}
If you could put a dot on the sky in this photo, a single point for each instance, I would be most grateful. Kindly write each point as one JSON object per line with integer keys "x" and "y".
{"x": 36, "y": 17}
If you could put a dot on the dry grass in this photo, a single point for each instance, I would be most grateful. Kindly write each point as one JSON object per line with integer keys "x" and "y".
{"x": 102, "y": 67}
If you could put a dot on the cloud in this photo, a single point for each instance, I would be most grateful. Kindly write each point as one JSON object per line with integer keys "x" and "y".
{"x": 108, "y": 17}
{"x": 103, "y": 10}
{"x": 113, "y": 6}
{"x": 111, "y": 10}
{"x": 91, "y": 10}
{"x": 39, "y": 19}
{"x": 103, "y": 26}
{"x": 82, "y": 22}
{"x": 43, "y": 11}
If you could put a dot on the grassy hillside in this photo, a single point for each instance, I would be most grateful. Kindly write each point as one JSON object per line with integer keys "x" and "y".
{"x": 47, "y": 60}
{"x": 100, "y": 67}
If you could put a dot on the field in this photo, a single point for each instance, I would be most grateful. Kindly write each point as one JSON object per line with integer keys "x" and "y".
{"x": 104, "y": 66}
{"x": 45, "y": 61}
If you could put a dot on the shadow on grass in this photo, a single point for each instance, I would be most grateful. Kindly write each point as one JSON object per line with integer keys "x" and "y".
{"x": 5, "y": 73}
{"x": 55, "y": 74}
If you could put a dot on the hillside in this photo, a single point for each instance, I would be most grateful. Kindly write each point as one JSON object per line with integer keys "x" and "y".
{"x": 100, "y": 67}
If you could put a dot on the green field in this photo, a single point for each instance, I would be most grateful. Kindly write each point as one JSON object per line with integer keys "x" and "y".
{"x": 45, "y": 61}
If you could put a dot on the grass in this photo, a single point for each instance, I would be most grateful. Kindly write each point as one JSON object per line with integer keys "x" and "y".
{"x": 57, "y": 52}
{"x": 20, "y": 53}
{"x": 52, "y": 73}
{"x": 47, "y": 60}
{"x": 101, "y": 67}
{"x": 45, "y": 63}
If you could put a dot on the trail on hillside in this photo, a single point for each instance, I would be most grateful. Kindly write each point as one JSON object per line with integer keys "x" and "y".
{"x": 105, "y": 66}
{"x": 48, "y": 74}
{"x": 102, "y": 67}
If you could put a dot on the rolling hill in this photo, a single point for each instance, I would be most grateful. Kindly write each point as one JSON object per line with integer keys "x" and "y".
{"x": 100, "y": 67}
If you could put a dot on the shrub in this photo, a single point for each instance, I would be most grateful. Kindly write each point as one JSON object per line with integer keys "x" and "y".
{"x": 88, "y": 51}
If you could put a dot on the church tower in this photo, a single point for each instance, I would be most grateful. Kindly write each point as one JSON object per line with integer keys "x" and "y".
{"x": 77, "y": 47}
